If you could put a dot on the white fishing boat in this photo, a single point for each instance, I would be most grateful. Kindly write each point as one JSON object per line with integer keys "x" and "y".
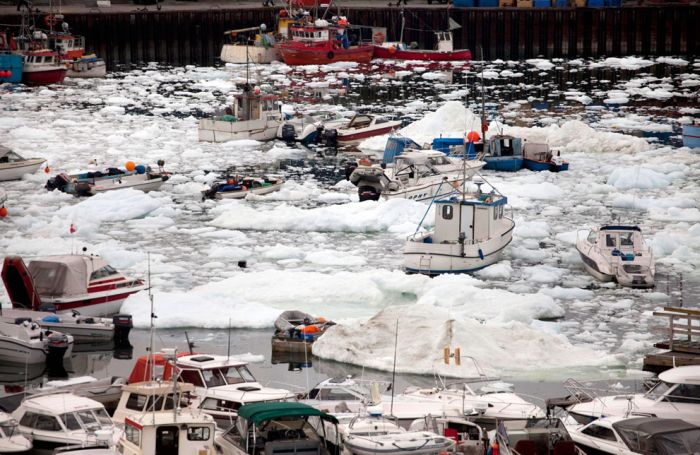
{"x": 64, "y": 284}
{"x": 637, "y": 435}
{"x": 222, "y": 385}
{"x": 145, "y": 397}
{"x": 11, "y": 440}
{"x": 468, "y": 436}
{"x": 239, "y": 188}
{"x": 363, "y": 126}
{"x": 105, "y": 390}
{"x": 178, "y": 432}
{"x": 471, "y": 231}
{"x": 675, "y": 396}
{"x": 63, "y": 419}
{"x": 255, "y": 115}
{"x": 141, "y": 178}
{"x": 86, "y": 66}
{"x": 24, "y": 342}
{"x": 13, "y": 166}
{"x": 618, "y": 253}
{"x": 420, "y": 175}
{"x": 258, "y": 49}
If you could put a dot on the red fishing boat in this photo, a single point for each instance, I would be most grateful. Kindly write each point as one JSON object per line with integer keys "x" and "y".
{"x": 84, "y": 283}
{"x": 320, "y": 43}
{"x": 42, "y": 67}
{"x": 443, "y": 53}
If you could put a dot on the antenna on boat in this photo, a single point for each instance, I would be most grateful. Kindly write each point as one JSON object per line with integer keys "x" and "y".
{"x": 151, "y": 359}
{"x": 393, "y": 372}
{"x": 483, "y": 97}
{"x": 228, "y": 345}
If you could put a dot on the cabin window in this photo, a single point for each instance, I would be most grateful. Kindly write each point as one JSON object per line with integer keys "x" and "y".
{"x": 136, "y": 402}
{"x": 685, "y": 393}
{"x": 500, "y": 211}
{"x": 103, "y": 417}
{"x": 71, "y": 422}
{"x": 626, "y": 239}
{"x": 191, "y": 376}
{"x": 132, "y": 434}
{"x": 47, "y": 423}
{"x": 89, "y": 420}
{"x": 495, "y": 213}
{"x": 600, "y": 432}
{"x": 592, "y": 237}
{"x": 103, "y": 272}
{"x": 447, "y": 212}
{"x": 214, "y": 404}
{"x": 335, "y": 395}
{"x": 237, "y": 375}
{"x": 212, "y": 378}
{"x": 198, "y": 434}
{"x": 610, "y": 240}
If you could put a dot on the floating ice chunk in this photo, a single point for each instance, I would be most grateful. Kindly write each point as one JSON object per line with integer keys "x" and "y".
{"x": 627, "y": 63}
{"x": 543, "y": 274}
{"x": 335, "y": 258}
{"x": 540, "y": 63}
{"x": 558, "y": 292}
{"x": 498, "y": 271}
{"x": 637, "y": 177}
{"x": 672, "y": 61}
{"x": 532, "y": 229}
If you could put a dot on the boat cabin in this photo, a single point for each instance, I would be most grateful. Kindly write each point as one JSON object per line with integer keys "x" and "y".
{"x": 168, "y": 433}
{"x": 444, "y": 42}
{"x": 504, "y": 146}
{"x": 626, "y": 242}
{"x": 310, "y": 34}
{"x": 8, "y": 156}
{"x": 414, "y": 165}
{"x": 207, "y": 371}
{"x": 145, "y": 397}
{"x": 252, "y": 105}
{"x": 472, "y": 220}
{"x": 41, "y": 58}
{"x": 70, "y": 47}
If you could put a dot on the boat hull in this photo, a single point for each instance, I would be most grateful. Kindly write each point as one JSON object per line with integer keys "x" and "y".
{"x": 421, "y": 256}
{"x": 18, "y": 351}
{"x": 43, "y": 76}
{"x": 503, "y": 164}
{"x": 691, "y": 136}
{"x": 310, "y": 55}
{"x": 223, "y": 131}
{"x": 101, "y": 186}
{"x": 236, "y": 53}
{"x": 15, "y": 170}
{"x": 536, "y": 166}
{"x": 107, "y": 305}
{"x": 426, "y": 55}
{"x": 242, "y": 194}
{"x": 347, "y": 137}
{"x": 86, "y": 69}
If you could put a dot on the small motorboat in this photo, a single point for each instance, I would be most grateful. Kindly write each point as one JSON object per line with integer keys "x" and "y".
{"x": 90, "y": 183}
{"x": 309, "y": 128}
{"x": 618, "y": 253}
{"x": 43, "y": 67}
{"x": 295, "y": 331}
{"x": 13, "y": 166}
{"x": 538, "y": 157}
{"x": 471, "y": 231}
{"x": 635, "y": 435}
{"x": 25, "y": 342}
{"x": 11, "y": 440}
{"x": 503, "y": 153}
{"x": 373, "y": 434}
{"x": 419, "y": 175}
{"x": 59, "y": 420}
{"x": 239, "y": 188}
{"x": 86, "y": 66}
{"x": 64, "y": 284}
{"x": 362, "y": 126}
{"x": 444, "y": 50}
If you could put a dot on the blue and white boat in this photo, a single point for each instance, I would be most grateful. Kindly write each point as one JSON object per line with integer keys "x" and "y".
{"x": 10, "y": 67}
{"x": 538, "y": 157}
{"x": 504, "y": 153}
{"x": 691, "y": 136}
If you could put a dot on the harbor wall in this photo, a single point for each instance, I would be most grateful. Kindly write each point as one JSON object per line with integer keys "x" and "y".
{"x": 196, "y": 37}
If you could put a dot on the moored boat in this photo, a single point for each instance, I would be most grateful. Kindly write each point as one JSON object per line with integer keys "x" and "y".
{"x": 11, "y": 440}
{"x": 363, "y": 126}
{"x": 538, "y": 157}
{"x": 443, "y": 52}
{"x": 260, "y": 49}
{"x": 140, "y": 177}
{"x": 42, "y": 67}
{"x": 691, "y": 135}
{"x": 25, "y": 342}
{"x": 296, "y": 331}
{"x": 13, "y": 166}
{"x": 239, "y": 188}
{"x": 87, "y": 284}
{"x": 618, "y": 253}
{"x": 322, "y": 43}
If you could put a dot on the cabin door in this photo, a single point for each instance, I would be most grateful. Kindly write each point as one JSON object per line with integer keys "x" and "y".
{"x": 481, "y": 223}
{"x": 167, "y": 440}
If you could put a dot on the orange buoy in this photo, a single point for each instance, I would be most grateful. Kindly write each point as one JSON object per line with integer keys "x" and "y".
{"x": 473, "y": 136}
{"x": 47, "y": 169}
{"x": 310, "y": 329}
{"x": 3, "y": 212}
{"x": 130, "y": 166}
{"x": 321, "y": 319}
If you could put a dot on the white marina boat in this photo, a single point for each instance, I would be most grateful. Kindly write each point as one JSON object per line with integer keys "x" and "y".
{"x": 143, "y": 178}
{"x": 13, "y": 166}
{"x": 675, "y": 396}
{"x": 222, "y": 386}
{"x": 239, "y": 188}
{"x": 64, "y": 284}
{"x": 254, "y": 115}
{"x": 471, "y": 231}
{"x": 86, "y": 66}
{"x": 637, "y": 435}
{"x": 24, "y": 342}
{"x": 149, "y": 396}
{"x": 11, "y": 439}
{"x": 618, "y": 253}
{"x": 243, "y": 49}
{"x": 63, "y": 419}
{"x": 468, "y": 436}
{"x": 420, "y": 175}
{"x": 363, "y": 126}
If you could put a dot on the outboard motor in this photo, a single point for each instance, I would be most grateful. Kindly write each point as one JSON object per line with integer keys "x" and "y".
{"x": 368, "y": 193}
{"x": 57, "y": 183}
{"x": 350, "y": 167}
{"x": 211, "y": 192}
{"x": 319, "y": 134}
{"x": 288, "y": 133}
{"x": 58, "y": 344}
{"x": 330, "y": 137}
{"x": 122, "y": 326}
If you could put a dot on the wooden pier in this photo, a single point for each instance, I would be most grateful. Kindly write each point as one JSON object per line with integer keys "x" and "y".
{"x": 682, "y": 344}
{"x": 195, "y": 35}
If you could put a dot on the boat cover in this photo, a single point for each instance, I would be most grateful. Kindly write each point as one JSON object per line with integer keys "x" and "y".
{"x": 60, "y": 275}
{"x": 658, "y": 436}
{"x": 4, "y": 151}
{"x": 261, "y": 412}
{"x": 290, "y": 319}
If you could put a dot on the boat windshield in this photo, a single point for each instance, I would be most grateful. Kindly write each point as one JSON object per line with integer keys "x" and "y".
{"x": 659, "y": 390}
{"x": 89, "y": 420}
{"x": 216, "y": 377}
{"x": 8, "y": 427}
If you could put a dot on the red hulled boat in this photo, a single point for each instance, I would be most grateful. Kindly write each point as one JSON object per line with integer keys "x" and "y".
{"x": 320, "y": 43}
{"x": 65, "y": 283}
{"x": 43, "y": 67}
{"x": 443, "y": 53}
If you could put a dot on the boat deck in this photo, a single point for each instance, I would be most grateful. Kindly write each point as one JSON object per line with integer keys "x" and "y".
{"x": 683, "y": 342}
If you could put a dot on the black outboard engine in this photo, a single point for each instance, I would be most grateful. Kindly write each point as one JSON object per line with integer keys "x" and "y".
{"x": 211, "y": 192}
{"x": 330, "y": 137}
{"x": 319, "y": 134}
{"x": 57, "y": 183}
{"x": 289, "y": 135}
{"x": 368, "y": 193}
{"x": 83, "y": 189}
{"x": 58, "y": 344}
{"x": 350, "y": 167}
{"x": 122, "y": 326}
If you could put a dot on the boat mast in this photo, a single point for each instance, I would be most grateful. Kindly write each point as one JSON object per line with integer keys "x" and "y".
{"x": 483, "y": 99}
{"x": 403, "y": 24}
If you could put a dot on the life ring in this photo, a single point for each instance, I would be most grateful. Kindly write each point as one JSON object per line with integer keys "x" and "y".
{"x": 330, "y": 55}
{"x": 50, "y": 20}
{"x": 378, "y": 38}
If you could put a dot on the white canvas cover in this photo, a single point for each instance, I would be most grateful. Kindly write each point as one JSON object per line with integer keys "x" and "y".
{"x": 60, "y": 275}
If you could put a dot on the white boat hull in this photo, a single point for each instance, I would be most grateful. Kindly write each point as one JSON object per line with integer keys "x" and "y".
{"x": 242, "y": 194}
{"x": 92, "y": 310}
{"x": 15, "y": 170}
{"x": 239, "y": 53}
{"x": 414, "y": 443}
{"x": 223, "y": 131}
{"x": 438, "y": 258}
{"x": 13, "y": 350}
{"x": 82, "y": 69}
{"x": 116, "y": 183}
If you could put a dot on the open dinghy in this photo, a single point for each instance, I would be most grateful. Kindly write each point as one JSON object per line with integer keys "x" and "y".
{"x": 138, "y": 177}
{"x": 13, "y": 166}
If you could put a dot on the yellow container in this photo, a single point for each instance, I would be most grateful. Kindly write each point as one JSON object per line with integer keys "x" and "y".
{"x": 524, "y": 3}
